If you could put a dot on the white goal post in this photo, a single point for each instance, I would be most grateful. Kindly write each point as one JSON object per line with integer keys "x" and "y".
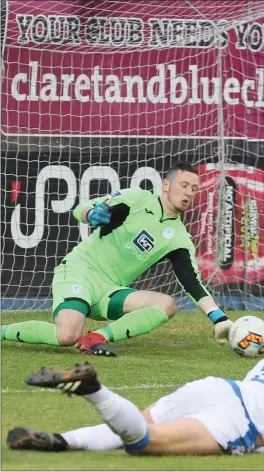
{"x": 102, "y": 95}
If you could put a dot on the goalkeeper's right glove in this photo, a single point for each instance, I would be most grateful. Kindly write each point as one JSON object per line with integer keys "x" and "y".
{"x": 99, "y": 215}
{"x": 222, "y": 325}
{"x": 221, "y": 331}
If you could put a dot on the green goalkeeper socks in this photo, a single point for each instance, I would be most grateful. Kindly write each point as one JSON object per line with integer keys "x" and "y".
{"x": 135, "y": 323}
{"x": 32, "y": 332}
{"x": 132, "y": 324}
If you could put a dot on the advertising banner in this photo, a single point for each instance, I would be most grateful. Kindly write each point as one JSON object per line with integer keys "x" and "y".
{"x": 155, "y": 72}
{"x": 40, "y": 228}
{"x": 101, "y": 68}
{"x": 227, "y": 224}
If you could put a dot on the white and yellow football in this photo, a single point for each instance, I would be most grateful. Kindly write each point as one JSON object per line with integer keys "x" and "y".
{"x": 246, "y": 336}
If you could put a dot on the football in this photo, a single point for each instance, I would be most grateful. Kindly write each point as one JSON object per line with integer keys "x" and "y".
{"x": 246, "y": 336}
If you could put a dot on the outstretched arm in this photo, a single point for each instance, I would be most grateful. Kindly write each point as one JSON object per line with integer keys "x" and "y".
{"x": 103, "y": 210}
{"x": 187, "y": 272}
{"x": 95, "y": 212}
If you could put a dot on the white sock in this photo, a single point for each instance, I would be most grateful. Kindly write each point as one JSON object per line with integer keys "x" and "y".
{"x": 122, "y": 416}
{"x": 93, "y": 438}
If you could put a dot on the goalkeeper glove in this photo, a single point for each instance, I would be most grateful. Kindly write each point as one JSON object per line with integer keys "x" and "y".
{"x": 222, "y": 325}
{"x": 99, "y": 215}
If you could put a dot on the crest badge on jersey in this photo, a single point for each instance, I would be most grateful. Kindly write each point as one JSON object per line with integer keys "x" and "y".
{"x": 115, "y": 194}
{"x": 168, "y": 233}
{"x": 76, "y": 288}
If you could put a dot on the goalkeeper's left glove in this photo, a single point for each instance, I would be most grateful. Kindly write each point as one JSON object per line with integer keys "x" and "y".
{"x": 99, "y": 215}
{"x": 222, "y": 325}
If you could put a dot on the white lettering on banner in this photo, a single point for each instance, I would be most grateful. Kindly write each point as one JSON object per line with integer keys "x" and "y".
{"x": 66, "y": 204}
{"x": 119, "y": 32}
{"x": 260, "y": 74}
{"x": 174, "y": 82}
{"x": 130, "y": 81}
{"x": 160, "y": 80}
{"x": 58, "y": 206}
{"x": 210, "y": 228}
{"x": 251, "y": 35}
{"x": 82, "y": 83}
{"x": 41, "y": 29}
{"x": 228, "y": 223}
{"x": 24, "y": 22}
{"x": 165, "y": 87}
{"x": 21, "y": 77}
{"x": 166, "y": 33}
{"x": 147, "y": 173}
{"x": 246, "y": 85}
{"x": 33, "y": 82}
{"x": 241, "y": 31}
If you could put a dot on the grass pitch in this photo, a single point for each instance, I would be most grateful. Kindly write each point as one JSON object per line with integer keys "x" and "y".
{"x": 146, "y": 368}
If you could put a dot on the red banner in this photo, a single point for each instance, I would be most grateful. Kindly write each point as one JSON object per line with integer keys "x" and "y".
{"x": 133, "y": 69}
{"x": 228, "y": 233}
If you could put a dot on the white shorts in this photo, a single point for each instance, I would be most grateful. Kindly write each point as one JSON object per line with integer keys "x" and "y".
{"x": 216, "y": 404}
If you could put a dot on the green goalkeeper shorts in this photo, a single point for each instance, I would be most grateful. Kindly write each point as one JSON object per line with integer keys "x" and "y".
{"x": 79, "y": 287}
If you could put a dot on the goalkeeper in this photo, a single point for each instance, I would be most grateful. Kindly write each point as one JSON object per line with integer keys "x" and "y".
{"x": 135, "y": 230}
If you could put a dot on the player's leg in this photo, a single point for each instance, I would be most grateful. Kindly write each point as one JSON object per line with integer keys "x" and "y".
{"x": 67, "y": 329}
{"x": 143, "y": 311}
{"x": 71, "y": 305}
{"x": 191, "y": 436}
{"x": 187, "y": 436}
{"x": 135, "y": 313}
{"x": 82, "y": 380}
{"x": 123, "y": 417}
{"x": 69, "y": 325}
{"x": 23, "y": 437}
{"x": 217, "y": 404}
{"x": 97, "y": 438}
{"x": 89, "y": 438}
{"x": 32, "y": 332}
{"x": 184, "y": 436}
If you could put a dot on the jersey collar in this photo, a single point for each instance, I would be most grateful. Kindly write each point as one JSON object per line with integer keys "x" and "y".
{"x": 164, "y": 214}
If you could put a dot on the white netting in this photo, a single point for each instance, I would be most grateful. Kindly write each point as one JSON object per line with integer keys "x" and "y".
{"x": 103, "y": 95}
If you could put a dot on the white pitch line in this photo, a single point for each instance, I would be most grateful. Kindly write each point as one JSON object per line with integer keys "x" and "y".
{"x": 122, "y": 387}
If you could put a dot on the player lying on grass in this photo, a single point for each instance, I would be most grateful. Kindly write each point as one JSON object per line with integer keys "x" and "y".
{"x": 207, "y": 416}
{"x": 136, "y": 229}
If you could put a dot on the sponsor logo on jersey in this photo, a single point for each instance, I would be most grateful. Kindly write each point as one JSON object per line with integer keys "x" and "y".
{"x": 76, "y": 288}
{"x": 144, "y": 241}
{"x": 168, "y": 233}
{"x": 136, "y": 253}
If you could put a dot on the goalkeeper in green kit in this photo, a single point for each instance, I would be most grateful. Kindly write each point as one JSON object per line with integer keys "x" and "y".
{"x": 135, "y": 230}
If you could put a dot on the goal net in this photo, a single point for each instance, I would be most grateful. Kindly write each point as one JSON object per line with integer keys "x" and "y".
{"x": 103, "y": 95}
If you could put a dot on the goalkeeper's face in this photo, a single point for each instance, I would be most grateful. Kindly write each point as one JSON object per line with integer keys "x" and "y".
{"x": 181, "y": 190}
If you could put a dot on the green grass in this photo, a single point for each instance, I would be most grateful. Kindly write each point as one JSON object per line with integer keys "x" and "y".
{"x": 180, "y": 351}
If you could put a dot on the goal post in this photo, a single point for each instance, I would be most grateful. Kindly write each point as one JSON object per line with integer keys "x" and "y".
{"x": 102, "y": 95}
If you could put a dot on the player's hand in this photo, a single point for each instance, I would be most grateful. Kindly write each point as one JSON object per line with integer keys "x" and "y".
{"x": 100, "y": 215}
{"x": 222, "y": 325}
{"x": 221, "y": 331}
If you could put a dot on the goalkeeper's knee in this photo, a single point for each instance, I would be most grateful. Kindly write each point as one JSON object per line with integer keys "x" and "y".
{"x": 167, "y": 304}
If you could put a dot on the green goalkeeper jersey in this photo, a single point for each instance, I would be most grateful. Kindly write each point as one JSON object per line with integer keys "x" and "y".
{"x": 138, "y": 236}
